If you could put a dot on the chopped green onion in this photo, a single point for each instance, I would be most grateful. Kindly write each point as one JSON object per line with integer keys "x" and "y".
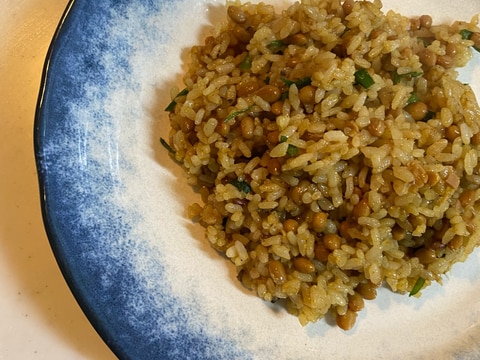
{"x": 171, "y": 106}
{"x": 397, "y": 78}
{"x": 276, "y": 46}
{"x": 292, "y": 150}
{"x": 246, "y": 63}
{"x": 283, "y": 138}
{"x": 413, "y": 99}
{"x": 466, "y": 34}
{"x": 236, "y": 113}
{"x": 241, "y": 185}
{"x": 287, "y": 82}
{"x": 166, "y": 145}
{"x": 426, "y": 41}
{"x": 300, "y": 83}
{"x": 363, "y": 78}
{"x": 430, "y": 115}
{"x": 417, "y": 287}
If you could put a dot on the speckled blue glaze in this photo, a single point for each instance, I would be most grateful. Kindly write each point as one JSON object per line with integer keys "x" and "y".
{"x": 113, "y": 205}
{"x": 91, "y": 235}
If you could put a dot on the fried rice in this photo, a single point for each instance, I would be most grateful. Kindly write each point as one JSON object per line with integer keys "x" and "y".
{"x": 334, "y": 150}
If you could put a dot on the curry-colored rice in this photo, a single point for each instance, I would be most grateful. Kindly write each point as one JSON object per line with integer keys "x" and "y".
{"x": 334, "y": 150}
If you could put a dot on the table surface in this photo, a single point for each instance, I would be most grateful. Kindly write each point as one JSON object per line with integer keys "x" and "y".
{"x": 40, "y": 319}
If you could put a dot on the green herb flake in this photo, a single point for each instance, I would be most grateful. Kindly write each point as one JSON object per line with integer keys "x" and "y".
{"x": 292, "y": 150}
{"x": 246, "y": 63}
{"x": 466, "y": 34}
{"x": 426, "y": 41}
{"x": 276, "y": 46}
{"x": 241, "y": 185}
{"x": 413, "y": 99}
{"x": 417, "y": 287}
{"x": 172, "y": 104}
{"x": 300, "y": 83}
{"x": 166, "y": 145}
{"x": 397, "y": 78}
{"x": 283, "y": 138}
{"x": 363, "y": 78}
{"x": 430, "y": 115}
{"x": 287, "y": 82}
{"x": 236, "y": 113}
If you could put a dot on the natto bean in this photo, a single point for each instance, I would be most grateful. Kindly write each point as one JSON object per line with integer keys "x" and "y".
{"x": 417, "y": 110}
{"x": 427, "y": 57}
{"x": 290, "y": 225}
{"x": 247, "y": 127}
{"x": 269, "y": 93}
{"x": 332, "y": 241}
{"x": 355, "y": 302}
{"x": 319, "y": 221}
{"x": 446, "y": 61}
{"x": 452, "y": 132}
{"x": 304, "y": 265}
{"x": 236, "y": 14}
{"x": 307, "y": 94}
{"x": 347, "y": 321}
{"x": 277, "y": 272}
{"x": 426, "y": 21}
{"x": 426, "y": 256}
{"x": 368, "y": 290}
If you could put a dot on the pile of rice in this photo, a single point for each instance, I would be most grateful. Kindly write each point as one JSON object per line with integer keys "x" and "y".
{"x": 334, "y": 150}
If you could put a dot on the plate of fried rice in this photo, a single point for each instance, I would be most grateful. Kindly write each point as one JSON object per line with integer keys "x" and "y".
{"x": 274, "y": 180}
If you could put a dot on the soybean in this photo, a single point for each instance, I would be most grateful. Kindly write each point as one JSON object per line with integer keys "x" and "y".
{"x": 426, "y": 256}
{"x": 236, "y": 14}
{"x": 418, "y": 110}
{"x": 332, "y": 241}
{"x": 290, "y": 225}
{"x": 319, "y": 221}
{"x": 274, "y": 167}
{"x": 476, "y": 39}
{"x": 362, "y": 209}
{"x": 452, "y": 132}
{"x": 304, "y": 265}
{"x": 426, "y": 21}
{"x": 446, "y": 61}
{"x": 355, "y": 302}
{"x": 247, "y": 127}
{"x": 346, "y": 322}
{"x": 269, "y": 93}
{"x": 307, "y": 94}
{"x": 247, "y": 87}
{"x": 348, "y": 6}
{"x": 321, "y": 252}
{"x": 277, "y": 272}
{"x": 367, "y": 289}
{"x": 427, "y": 57}
{"x": 376, "y": 127}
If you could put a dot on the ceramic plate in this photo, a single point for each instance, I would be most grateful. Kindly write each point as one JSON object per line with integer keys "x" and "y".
{"x": 114, "y": 207}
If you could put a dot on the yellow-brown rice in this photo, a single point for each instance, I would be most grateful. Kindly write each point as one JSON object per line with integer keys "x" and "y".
{"x": 334, "y": 150}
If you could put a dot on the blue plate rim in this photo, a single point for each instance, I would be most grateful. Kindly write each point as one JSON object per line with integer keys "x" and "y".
{"x": 54, "y": 244}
